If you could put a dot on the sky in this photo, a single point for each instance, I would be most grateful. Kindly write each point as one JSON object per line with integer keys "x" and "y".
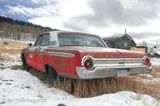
{"x": 141, "y": 18}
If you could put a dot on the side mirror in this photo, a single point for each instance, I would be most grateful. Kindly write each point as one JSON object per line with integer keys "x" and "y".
{"x": 29, "y": 45}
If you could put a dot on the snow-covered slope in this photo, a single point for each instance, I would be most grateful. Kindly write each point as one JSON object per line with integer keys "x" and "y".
{"x": 20, "y": 88}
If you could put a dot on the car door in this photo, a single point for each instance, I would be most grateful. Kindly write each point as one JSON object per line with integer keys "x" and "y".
{"x": 31, "y": 55}
{"x": 41, "y": 50}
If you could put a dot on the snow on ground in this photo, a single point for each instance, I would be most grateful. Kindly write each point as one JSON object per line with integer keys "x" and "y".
{"x": 18, "y": 41}
{"x": 14, "y": 60}
{"x": 20, "y": 88}
{"x": 155, "y": 61}
{"x": 10, "y": 56}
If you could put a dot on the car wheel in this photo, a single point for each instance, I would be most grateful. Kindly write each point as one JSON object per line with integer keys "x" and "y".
{"x": 53, "y": 75}
{"x": 24, "y": 64}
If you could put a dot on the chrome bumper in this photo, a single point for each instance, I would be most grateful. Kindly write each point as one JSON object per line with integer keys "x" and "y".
{"x": 104, "y": 71}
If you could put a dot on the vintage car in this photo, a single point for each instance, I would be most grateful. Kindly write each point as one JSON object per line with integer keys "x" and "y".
{"x": 83, "y": 56}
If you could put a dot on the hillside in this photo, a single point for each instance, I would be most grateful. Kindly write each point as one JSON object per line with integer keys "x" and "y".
{"x": 20, "y": 30}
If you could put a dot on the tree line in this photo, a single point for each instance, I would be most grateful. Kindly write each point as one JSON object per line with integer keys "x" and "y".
{"x": 20, "y": 30}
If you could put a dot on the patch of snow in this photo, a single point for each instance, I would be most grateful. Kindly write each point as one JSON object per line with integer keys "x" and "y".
{"x": 8, "y": 64}
{"x": 124, "y": 98}
{"x": 20, "y": 88}
{"x": 9, "y": 48}
{"x": 19, "y": 41}
{"x": 155, "y": 61}
{"x": 147, "y": 79}
{"x": 11, "y": 56}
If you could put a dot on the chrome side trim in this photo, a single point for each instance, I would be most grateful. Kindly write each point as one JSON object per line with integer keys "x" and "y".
{"x": 62, "y": 54}
{"x": 114, "y": 62}
{"x": 117, "y": 59}
{"x": 32, "y": 49}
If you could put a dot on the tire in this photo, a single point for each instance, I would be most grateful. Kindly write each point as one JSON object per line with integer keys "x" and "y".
{"x": 53, "y": 75}
{"x": 24, "y": 64}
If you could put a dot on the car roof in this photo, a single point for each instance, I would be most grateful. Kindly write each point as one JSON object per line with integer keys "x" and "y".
{"x": 60, "y": 31}
{"x": 57, "y": 32}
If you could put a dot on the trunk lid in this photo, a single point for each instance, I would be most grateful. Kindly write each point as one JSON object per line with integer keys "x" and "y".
{"x": 97, "y": 52}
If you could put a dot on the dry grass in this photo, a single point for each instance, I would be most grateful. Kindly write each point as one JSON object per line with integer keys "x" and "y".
{"x": 12, "y": 44}
{"x": 156, "y": 71}
{"x": 61, "y": 104}
{"x": 10, "y": 51}
{"x": 11, "y": 47}
{"x": 16, "y": 67}
{"x": 143, "y": 84}
{"x": 4, "y": 57}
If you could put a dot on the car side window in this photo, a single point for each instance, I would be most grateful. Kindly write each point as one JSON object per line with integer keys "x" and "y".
{"x": 43, "y": 40}
{"x": 39, "y": 39}
{"x": 53, "y": 43}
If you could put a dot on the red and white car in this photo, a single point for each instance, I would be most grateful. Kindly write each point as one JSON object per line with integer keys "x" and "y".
{"x": 83, "y": 56}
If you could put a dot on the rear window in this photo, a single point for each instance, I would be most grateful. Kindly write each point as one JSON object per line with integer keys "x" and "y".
{"x": 74, "y": 39}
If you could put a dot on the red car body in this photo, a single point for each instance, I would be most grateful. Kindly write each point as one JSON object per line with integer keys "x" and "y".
{"x": 90, "y": 58}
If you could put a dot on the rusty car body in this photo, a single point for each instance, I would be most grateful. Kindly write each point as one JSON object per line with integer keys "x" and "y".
{"x": 83, "y": 56}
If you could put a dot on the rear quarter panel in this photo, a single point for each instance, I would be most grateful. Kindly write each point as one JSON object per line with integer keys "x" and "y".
{"x": 64, "y": 65}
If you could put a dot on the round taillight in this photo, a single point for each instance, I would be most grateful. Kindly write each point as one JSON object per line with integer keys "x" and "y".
{"x": 147, "y": 61}
{"x": 88, "y": 63}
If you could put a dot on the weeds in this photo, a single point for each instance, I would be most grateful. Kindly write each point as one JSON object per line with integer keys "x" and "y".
{"x": 156, "y": 71}
{"x": 142, "y": 84}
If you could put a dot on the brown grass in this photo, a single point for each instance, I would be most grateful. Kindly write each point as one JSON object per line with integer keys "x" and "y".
{"x": 10, "y": 51}
{"x": 11, "y": 47}
{"x": 13, "y": 44}
{"x": 16, "y": 67}
{"x": 142, "y": 84}
{"x": 61, "y": 104}
{"x": 156, "y": 71}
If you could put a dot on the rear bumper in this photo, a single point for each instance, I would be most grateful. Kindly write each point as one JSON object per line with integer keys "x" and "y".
{"x": 104, "y": 71}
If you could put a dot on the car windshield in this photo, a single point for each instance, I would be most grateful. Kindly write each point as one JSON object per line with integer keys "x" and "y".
{"x": 74, "y": 39}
